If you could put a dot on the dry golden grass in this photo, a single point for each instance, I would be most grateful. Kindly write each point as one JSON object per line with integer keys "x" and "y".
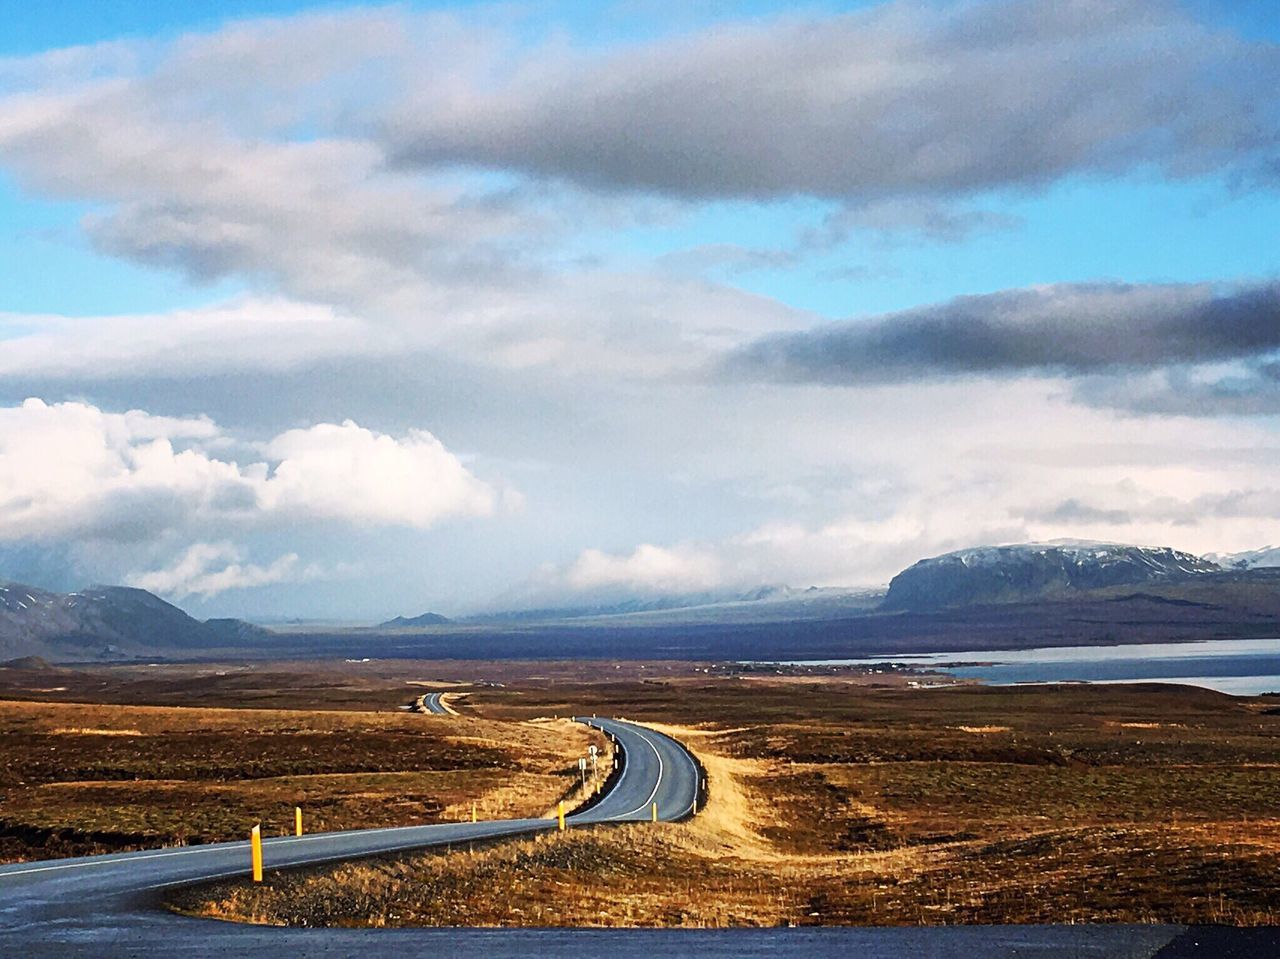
{"x": 721, "y": 870}
{"x": 81, "y": 778}
{"x": 1101, "y": 804}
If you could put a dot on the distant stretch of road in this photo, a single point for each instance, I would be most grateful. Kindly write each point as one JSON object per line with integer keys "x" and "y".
{"x": 431, "y": 703}
{"x": 110, "y": 905}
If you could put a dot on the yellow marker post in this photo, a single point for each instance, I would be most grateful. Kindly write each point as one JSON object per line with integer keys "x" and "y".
{"x": 560, "y": 816}
{"x": 473, "y": 812}
{"x": 255, "y": 846}
{"x": 655, "y": 812}
{"x": 297, "y": 820}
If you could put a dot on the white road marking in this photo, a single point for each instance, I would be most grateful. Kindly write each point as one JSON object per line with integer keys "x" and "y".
{"x": 655, "y": 785}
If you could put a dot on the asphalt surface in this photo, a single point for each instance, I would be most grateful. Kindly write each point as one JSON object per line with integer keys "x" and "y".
{"x": 657, "y": 769}
{"x": 110, "y": 906}
{"x": 431, "y": 703}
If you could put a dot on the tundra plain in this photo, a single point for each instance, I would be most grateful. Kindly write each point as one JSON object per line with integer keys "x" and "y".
{"x": 835, "y": 798}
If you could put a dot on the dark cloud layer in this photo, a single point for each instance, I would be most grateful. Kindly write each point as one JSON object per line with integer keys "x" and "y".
{"x": 907, "y": 99}
{"x": 1066, "y": 329}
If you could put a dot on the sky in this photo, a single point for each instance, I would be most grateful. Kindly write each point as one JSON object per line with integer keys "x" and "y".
{"x": 328, "y": 311}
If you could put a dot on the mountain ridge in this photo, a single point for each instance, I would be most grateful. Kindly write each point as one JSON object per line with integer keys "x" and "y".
{"x": 1025, "y": 572}
{"x": 106, "y": 622}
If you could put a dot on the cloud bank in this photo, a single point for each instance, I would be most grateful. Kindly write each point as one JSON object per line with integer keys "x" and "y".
{"x": 1066, "y": 329}
{"x": 905, "y": 99}
{"x": 71, "y": 470}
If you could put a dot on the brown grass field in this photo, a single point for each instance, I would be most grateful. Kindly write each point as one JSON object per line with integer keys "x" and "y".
{"x": 836, "y": 800}
{"x": 78, "y": 778}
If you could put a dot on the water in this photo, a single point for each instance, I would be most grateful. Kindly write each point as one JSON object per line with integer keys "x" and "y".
{"x": 1241, "y": 667}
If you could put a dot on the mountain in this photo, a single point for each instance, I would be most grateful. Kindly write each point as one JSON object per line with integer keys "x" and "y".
{"x": 1265, "y": 558}
{"x": 407, "y": 622}
{"x": 1034, "y": 571}
{"x": 106, "y": 622}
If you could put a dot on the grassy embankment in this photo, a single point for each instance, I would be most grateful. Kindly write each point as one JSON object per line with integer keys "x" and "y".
{"x": 835, "y": 803}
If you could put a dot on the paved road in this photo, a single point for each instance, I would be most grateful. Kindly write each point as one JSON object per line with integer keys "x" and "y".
{"x": 656, "y": 769}
{"x": 108, "y": 905}
{"x": 431, "y": 703}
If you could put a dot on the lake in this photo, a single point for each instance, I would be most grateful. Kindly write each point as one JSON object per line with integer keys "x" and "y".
{"x": 1241, "y": 667}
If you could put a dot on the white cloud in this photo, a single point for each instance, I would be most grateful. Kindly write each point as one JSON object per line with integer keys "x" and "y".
{"x": 350, "y": 473}
{"x": 207, "y": 569}
{"x": 647, "y": 568}
{"x": 73, "y": 470}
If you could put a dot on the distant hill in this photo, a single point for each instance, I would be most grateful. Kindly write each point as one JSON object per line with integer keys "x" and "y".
{"x": 33, "y": 663}
{"x": 107, "y": 623}
{"x": 1030, "y": 572}
{"x": 408, "y": 622}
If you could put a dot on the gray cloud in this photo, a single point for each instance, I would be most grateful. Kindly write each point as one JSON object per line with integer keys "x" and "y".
{"x": 1070, "y": 328}
{"x": 1074, "y": 511}
{"x": 1254, "y": 504}
{"x": 923, "y": 219}
{"x": 1179, "y": 391}
{"x": 906, "y": 99}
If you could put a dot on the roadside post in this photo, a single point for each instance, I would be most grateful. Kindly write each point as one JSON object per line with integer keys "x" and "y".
{"x": 592, "y": 750}
{"x": 582, "y": 771}
{"x": 655, "y": 812}
{"x": 560, "y": 815}
{"x": 255, "y": 846}
{"x": 297, "y": 820}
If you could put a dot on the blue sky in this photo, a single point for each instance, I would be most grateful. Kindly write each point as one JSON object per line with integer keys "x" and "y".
{"x": 459, "y": 306}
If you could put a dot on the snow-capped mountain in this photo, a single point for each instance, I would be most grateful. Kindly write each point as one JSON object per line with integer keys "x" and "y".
{"x": 1031, "y": 571}
{"x": 1268, "y": 556}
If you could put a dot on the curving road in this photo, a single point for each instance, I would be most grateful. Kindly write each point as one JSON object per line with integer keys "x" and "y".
{"x": 656, "y": 769}
{"x": 432, "y": 704}
{"x": 109, "y": 905}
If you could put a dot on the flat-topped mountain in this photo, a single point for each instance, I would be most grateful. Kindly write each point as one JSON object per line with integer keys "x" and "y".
{"x": 106, "y": 622}
{"x": 1033, "y": 571}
